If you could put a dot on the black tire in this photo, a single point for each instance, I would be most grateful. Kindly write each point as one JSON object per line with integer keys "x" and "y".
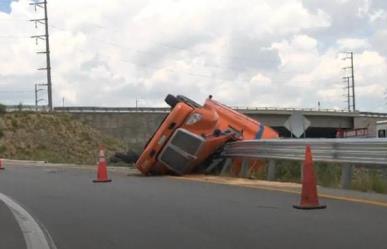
{"x": 128, "y": 157}
{"x": 188, "y": 101}
{"x": 171, "y": 100}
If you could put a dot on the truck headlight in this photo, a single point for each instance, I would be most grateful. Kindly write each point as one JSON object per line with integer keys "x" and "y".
{"x": 194, "y": 118}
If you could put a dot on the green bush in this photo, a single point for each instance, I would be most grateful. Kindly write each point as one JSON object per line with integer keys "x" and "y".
{"x": 288, "y": 171}
{"x": 14, "y": 123}
{"x": 328, "y": 174}
{"x": 3, "y": 109}
{"x": 369, "y": 180}
{"x": 2, "y": 149}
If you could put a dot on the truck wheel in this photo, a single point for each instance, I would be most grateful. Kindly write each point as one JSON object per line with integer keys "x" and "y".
{"x": 188, "y": 101}
{"x": 171, "y": 100}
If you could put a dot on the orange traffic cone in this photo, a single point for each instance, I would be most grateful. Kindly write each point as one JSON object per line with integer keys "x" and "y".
{"x": 309, "y": 198}
{"x": 1, "y": 164}
{"x": 102, "y": 170}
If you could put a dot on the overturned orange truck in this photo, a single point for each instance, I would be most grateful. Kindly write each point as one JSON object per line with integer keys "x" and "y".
{"x": 190, "y": 134}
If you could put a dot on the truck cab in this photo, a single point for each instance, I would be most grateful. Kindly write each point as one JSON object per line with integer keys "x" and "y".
{"x": 191, "y": 133}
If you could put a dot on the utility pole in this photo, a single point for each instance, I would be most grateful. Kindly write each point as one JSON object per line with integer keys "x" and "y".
{"x": 45, "y": 37}
{"x": 348, "y": 87}
{"x": 37, "y": 90}
{"x": 349, "y": 79}
{"x": 137, "y": 100}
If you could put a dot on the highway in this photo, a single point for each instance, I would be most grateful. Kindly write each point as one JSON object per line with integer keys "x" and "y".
{"x": 163, "y": 212}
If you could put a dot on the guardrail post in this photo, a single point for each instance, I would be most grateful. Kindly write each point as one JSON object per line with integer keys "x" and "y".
{"x": 226, "y": 167}
{"x": 214, "y": 164}
{"x": 244, "y": 168}
{"x": 346, "y": 176}
{"x": 271, "y": 169}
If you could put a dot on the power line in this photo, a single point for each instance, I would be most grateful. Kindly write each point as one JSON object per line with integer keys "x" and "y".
{"x": 233, "y": 68}
{"x": 191, "y": 74}
{"x": 244, "y": 60}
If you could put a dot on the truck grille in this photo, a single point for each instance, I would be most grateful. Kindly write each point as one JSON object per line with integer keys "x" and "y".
{"x": 186, "y": 142}
{"x": 176, "y": 161}
{"x": 181, "y": 150}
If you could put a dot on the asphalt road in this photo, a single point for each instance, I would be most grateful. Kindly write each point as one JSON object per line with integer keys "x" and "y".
{"x": 161, "y": 212}
{"x": 11, "y": 236}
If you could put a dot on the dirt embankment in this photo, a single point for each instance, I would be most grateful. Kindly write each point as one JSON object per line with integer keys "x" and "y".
{"x": 52, "y": 137}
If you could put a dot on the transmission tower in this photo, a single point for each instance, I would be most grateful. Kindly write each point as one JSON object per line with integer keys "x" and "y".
{"x": 349, "y": 80}
{"x": 37, "y": 98}
{"x": 45, "y": 37}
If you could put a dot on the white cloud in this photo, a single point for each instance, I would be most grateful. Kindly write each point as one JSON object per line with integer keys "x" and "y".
{"x": 298, "y": 55}
{"x": 378, "y": 15}
{"x": 292, "y": 17}
{"x": 243, "y": 52}
{"x": 364, "y": 8}
{"x": 352, "y": 44}
{"x": 260, "y": 80}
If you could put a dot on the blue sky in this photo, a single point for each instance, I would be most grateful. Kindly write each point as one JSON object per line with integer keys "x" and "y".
{"x": 5, "y": 6}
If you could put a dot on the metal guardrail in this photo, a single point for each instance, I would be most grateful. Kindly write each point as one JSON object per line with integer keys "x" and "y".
{"x": 32, "y": 108}
{"x": 288, "y": 109}
{"x": 373, "y": 114}
{"x": 111, "y": 109}
{"x": 29, "y": 108}
{"x": 167, "y": 109}
{"x": 366, "y": 152}
{"x": 13, "y": 108}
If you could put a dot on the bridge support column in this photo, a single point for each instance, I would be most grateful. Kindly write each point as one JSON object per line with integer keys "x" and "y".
{"x": 226, "y": 167}
{"x": 346, "y": 176}
{"x": 244, "y": 169}
{"x": 271, "y": 169}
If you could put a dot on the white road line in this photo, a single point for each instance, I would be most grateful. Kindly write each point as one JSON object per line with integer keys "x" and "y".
{"x": 34, "y": 236}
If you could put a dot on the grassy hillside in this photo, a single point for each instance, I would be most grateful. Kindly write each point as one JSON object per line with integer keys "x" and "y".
{"x": 52, "y": 137}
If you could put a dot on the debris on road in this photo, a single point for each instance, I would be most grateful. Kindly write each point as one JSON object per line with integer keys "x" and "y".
{"x": 128, "y": 157}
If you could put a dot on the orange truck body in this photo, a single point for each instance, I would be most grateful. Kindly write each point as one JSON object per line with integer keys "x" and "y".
{"x": 190, "y": 134}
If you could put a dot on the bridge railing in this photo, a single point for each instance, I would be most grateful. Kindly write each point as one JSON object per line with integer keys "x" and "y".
{"x": 24, "y": 108}
{"x": 292, "y": 109}
{"x": 111, "y": 109}
{"x": 13, "y": 108}
{"x": 367, "y": 152}
{"x": 33, "y": 108}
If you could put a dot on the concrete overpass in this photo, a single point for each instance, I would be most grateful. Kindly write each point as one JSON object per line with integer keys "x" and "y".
{"x": 136, "y": 125}
{"x": 324, "y": 122}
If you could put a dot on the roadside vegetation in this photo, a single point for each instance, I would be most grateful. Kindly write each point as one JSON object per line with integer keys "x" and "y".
{"x": 329, "y": 175}
{"x": 51, "y": 137}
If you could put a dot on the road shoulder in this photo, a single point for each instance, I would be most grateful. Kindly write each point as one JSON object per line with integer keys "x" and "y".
{"x": 294, "y": 188}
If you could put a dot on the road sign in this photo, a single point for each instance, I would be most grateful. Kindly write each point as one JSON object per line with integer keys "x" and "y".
{"x": 297, "y": 124}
